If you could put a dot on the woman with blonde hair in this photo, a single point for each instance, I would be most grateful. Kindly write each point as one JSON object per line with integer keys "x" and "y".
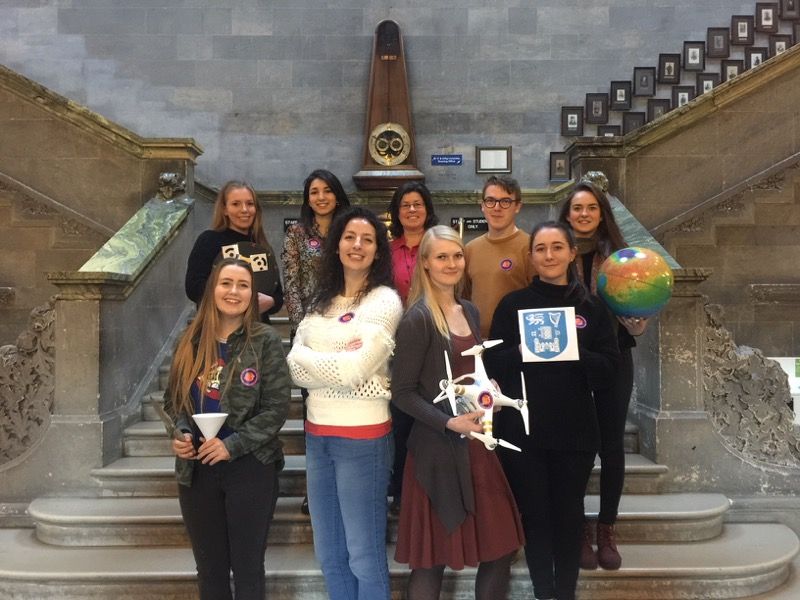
{"x": 237, "y": 218}
{"x": 226, "y": 361}
{"x": 457, "y": 508}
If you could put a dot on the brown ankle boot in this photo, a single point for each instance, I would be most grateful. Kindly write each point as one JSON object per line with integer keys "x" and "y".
{"x": 607, "y": 555}
{"x": 588, "y": 557}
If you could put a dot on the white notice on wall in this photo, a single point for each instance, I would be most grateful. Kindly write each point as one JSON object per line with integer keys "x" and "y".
{"x": 549, "y": 334}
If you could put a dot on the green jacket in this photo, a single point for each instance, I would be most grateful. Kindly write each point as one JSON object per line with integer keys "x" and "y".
{"x": 256, "y": 410}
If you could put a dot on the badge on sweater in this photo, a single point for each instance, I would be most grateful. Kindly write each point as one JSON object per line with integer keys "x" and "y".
{"x": 548, "y": 334}
{"x": 249, "y": 377}
{"x": 346, "y": 317}
{"x": 506, "y": 264}
{"x": 314, "y": 243}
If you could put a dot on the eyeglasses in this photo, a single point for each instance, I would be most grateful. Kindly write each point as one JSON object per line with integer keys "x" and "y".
{"x": 490, "y": 202}
{"x": 414, "y": 205}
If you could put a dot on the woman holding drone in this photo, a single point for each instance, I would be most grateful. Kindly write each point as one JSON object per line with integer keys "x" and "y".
{"x": 457, "y": 508}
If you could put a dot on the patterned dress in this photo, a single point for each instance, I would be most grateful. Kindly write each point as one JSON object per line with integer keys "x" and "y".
{"x": 302, "y": 250}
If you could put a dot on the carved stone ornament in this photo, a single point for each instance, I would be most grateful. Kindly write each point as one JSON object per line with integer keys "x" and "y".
{"x": 598, "y": 178}
{"x": 747, "y": 397}
{"x": 27, "y": 379}
{"x": 170, "y": 185}
{"x": 32, "y": 208}
{"x": 73, "y": 227}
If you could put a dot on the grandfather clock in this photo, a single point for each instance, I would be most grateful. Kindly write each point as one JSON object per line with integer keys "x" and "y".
{"x": 389, "y": 149}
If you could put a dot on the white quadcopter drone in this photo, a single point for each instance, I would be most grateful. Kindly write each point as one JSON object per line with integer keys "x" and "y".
{"x": 481, "y": 395}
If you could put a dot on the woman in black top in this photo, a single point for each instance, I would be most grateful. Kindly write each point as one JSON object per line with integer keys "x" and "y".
{"x": 237, "y": 218}
{"x": 549, "y": 477}
{"x": 588, "y": 213}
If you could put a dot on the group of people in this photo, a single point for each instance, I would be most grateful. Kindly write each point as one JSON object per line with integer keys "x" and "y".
{"x": 372, "y": 320}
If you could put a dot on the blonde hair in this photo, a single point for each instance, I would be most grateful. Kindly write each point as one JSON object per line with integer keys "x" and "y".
{"x": 220, "y": 221}
{"x": 421, "y": 285}
{"x": 197, "y": 351}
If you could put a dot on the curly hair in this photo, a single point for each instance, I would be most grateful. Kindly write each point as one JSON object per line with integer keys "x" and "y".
{"x": 330, "y": 281}
{"x": 342, "y": 201}
{"x": 396, "y": 228}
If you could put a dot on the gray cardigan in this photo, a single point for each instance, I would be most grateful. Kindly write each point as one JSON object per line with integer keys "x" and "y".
{"x": 441, "y": 456}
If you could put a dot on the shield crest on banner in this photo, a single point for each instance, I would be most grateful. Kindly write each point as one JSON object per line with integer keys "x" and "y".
{"x": 548, "y": 334}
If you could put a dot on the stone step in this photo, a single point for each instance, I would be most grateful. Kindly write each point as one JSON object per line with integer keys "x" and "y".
{"x": 157, "y": 521}
{"x": 747, "y": 559}
{"x": 154, "y": 476}
{"x": 149, "y": 438}
{"x": 149, "y": 412}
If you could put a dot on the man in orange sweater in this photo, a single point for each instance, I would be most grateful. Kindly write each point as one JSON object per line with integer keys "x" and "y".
{"x": 498, "y": 262}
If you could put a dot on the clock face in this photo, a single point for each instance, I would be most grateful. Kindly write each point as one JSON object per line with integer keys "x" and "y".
{"x": 389, "y": 144}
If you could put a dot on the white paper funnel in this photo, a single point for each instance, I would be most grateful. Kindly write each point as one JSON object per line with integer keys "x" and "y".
{"x": 209, "y": 423}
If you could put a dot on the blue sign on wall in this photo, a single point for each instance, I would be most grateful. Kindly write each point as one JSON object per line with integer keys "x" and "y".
{"x": 447, "y": 160}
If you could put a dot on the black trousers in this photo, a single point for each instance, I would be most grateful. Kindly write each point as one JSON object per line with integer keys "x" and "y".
{"x": 227, "y": 511}
{"x": 550, "y": 500}
{"x": 612, "y": 412}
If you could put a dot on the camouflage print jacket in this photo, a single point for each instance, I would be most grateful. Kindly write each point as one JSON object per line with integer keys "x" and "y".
{"x": 255, "y": 391}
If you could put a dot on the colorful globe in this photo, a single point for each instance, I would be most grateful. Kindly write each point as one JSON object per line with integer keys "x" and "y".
{"x": 635, "y": 282}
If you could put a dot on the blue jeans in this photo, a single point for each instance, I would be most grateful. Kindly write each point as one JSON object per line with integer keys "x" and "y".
{"x": 347, "y": 482}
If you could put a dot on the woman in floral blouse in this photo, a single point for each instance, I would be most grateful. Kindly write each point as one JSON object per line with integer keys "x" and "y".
{"x": 323, "y": 199}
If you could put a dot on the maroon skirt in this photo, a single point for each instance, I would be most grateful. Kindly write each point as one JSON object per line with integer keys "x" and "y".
{"x": 492, "y": 532}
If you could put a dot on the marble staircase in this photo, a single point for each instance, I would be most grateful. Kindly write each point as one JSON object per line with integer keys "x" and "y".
{"x": 126, "y": 539}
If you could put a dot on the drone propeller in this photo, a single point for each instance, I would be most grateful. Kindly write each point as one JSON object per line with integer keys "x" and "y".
{"x": 478, "y": 349}
{"x": 508, "y": 445}
{"x": 524, "y": 408}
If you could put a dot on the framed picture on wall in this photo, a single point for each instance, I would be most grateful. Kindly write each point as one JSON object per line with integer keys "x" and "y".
{"x": 682, "y": 94}
{"x": 767, "y": 17}
{"x": 779, "y": 43}
{"x": 631, "y": 121}
{"x": 718, "y": 42}
{"x": 493, "y": 159}
{"x": 559, "y": 167}
{"x": 706, "y": 82}
{"x": 790, "y": 10}
{"x": 620, "y": 95}
{"x": 669, "y": 68}
{"x": 571, "y": 121}
{"x": 597, "y": 108}
{"x": 644, "y": 81}
{"x": 731, "y": 69}
{"x": 694, "y": 56}
{"x": 742, "y": 30}
{"x": 609, "y": 130}
{"x": 657, "y": 107}
{"x": 754, "y": 56}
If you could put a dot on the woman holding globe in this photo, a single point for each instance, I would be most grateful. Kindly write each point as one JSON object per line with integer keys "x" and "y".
{"x": 588, "y": 213}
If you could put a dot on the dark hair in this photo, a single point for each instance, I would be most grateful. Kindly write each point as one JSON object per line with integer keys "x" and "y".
{"x": 221, "y": 222}
{"x": 330, "y": 278}
{"x": 575, "y": 287}
{"x": 509, "y": 184}
{"x": 609, "y": 237}
{"x": 342, "y": 202}
{"x": 396, "y": 228}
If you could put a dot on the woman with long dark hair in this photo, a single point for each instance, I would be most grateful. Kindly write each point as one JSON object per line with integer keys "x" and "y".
{"x": 588, "y": 213}
{"x": 237, "y": 218}
{"x": 341, "y": 355}
{"x": 226, "y": 361}
{"x": 549, "y": 476}
{"x": 457, "y": 508}
{"x": 323, "y": 199}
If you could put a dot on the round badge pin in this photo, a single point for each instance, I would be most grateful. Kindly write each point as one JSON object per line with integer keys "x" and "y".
{"x": 314, "y": 243}
{"x": 580, "y": 322}
{"x": 249, "y": 377}
{"x": 346, "y": 317}
{"x": 506, "y": 264}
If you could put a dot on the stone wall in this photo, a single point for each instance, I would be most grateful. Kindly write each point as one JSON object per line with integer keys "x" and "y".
{"x": 274, "y": 89}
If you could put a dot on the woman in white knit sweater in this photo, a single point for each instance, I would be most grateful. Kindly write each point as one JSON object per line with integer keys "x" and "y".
{"x": 340, "y": 354}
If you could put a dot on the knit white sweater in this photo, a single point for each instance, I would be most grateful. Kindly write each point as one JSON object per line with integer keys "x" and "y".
{"x": 347, "y": 388}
